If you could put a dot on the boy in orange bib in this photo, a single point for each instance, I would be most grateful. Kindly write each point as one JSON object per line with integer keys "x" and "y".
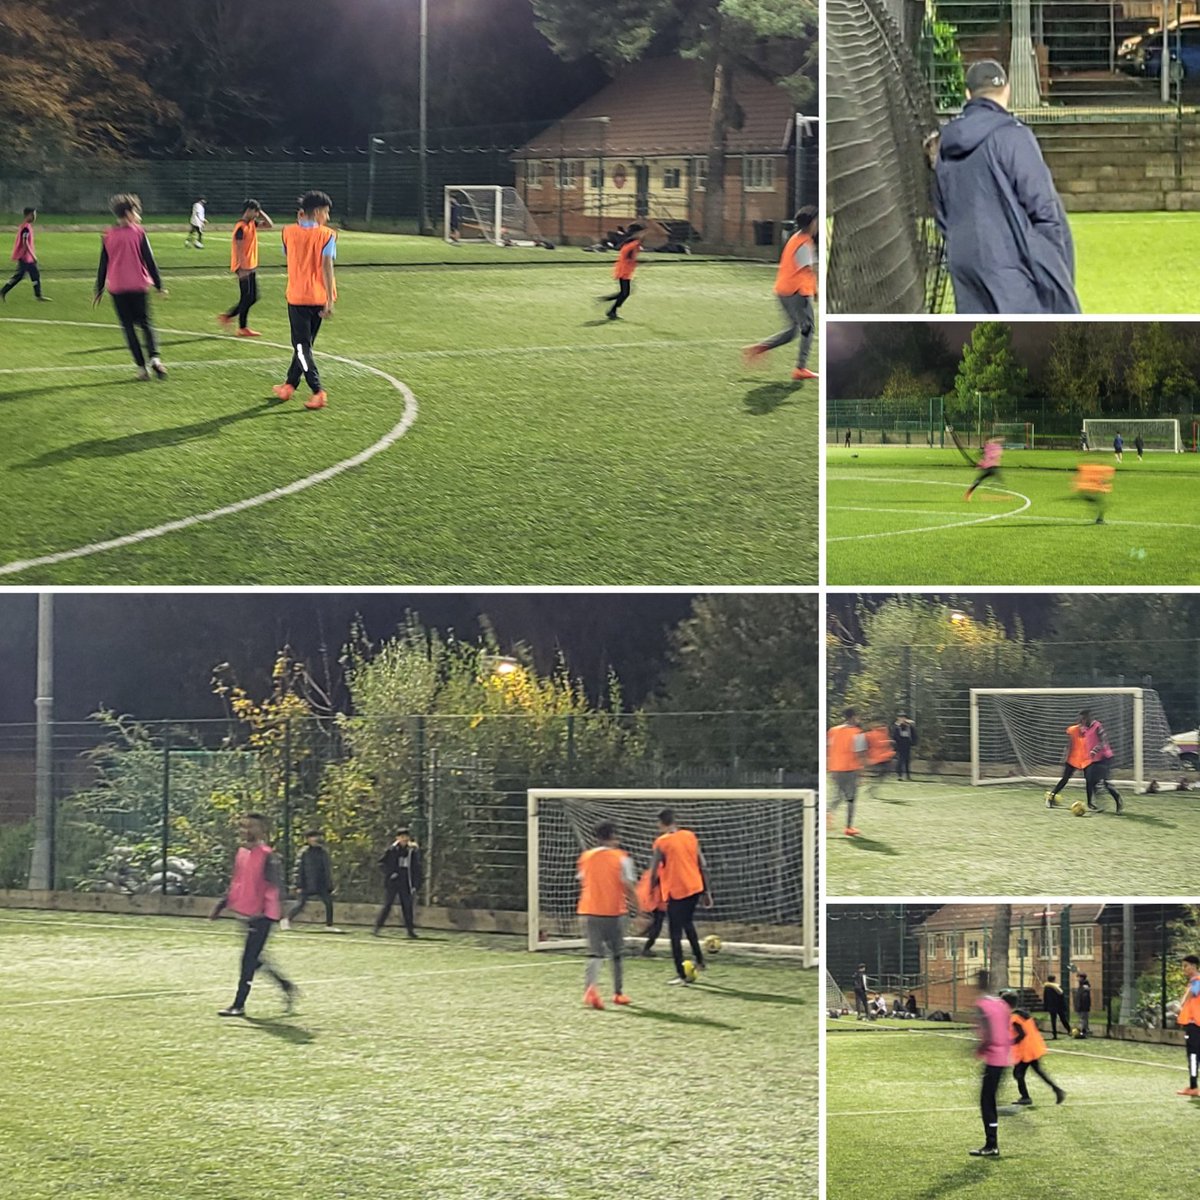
{"x": 606, "y": 892}
{"x": 1029, "y": 1048}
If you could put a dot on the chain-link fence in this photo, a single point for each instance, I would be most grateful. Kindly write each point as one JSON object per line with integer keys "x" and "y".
{"x": 153, "y": 807}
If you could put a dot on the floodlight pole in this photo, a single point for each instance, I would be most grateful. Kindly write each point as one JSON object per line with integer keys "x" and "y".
{"x": 423, "y": 226}
{"x": 372, "y": 141}
{"x": 41, "y": 869}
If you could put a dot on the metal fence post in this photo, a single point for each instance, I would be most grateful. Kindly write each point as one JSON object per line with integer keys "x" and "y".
{"x": 166, "y": 806}
{"x": 430, "y": 821}
{"x": 287, "y": 798}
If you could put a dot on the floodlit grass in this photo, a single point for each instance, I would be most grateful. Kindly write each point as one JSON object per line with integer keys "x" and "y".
{"x": 450, "y": 1067}
{"x": 897, "y": 516}
{"x": 938, "y": 838}
{"x": 911, "y": 1100}
{"x": 550, "y": 447}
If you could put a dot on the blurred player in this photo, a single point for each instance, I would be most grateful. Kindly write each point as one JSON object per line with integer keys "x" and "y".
{"x": 684, "y": 885}
{"x": 995, "y": 1050}
{"x": 1100, "y": 754}
{"x": 1093, "y": 482}
{"x": 606, "y": 892}
{"x": 988, "y": 464}
{"x": 127, "y": 271}
{"x": 1189, "y": 1021}
{"x": 255, "y": 894}
{"x": 196, "y": 223}
{"x": 796, "y": 290}
{"x": 651, "y": 902}
{"x": 1083, "y": 440}
{"x": 624, "y": 268}
{"x": 1077, "y": 758}
{"x": 24, "y": 255}
{"x": 846, "y": 745}
{"x": 310, "y": 248}
{"x": 880, "y": 751}
{"x": 1029, "y": 1048}
{"x": 243, "y": 261}
{"x": 1139, "y": 444}
{"x": 1119, "y": 447}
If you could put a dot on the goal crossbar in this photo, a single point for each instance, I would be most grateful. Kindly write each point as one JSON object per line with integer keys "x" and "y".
{"x": 792, "y": 826}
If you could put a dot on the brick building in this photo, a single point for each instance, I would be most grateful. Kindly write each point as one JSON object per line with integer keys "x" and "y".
{"x": 639, "y": 148}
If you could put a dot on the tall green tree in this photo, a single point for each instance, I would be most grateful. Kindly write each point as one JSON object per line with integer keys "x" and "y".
{"x": 989, "y": 376}
{"x": 1158, "y": 378}
{"x": 1079, "y": 367}
{"x": 774, "y": 39}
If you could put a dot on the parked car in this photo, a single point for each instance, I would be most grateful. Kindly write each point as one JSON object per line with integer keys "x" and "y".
{"x": 1143, "y": 55}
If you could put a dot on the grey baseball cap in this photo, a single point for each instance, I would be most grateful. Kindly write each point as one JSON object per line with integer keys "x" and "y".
{"x": 985, "y": 74}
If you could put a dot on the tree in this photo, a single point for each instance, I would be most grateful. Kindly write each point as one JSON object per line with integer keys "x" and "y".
{"x": 988, "y": 372}
{"x": 748, "y": 663}
{"x": 1157, "y": 377}
{"x": 1001, "y": 935}
{"x": 905, "y": 384}
{"x": 1079, "y": 368}
{"x": 774, "y": 39}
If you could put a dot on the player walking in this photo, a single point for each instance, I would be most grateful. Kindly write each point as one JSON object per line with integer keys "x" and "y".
{"x": 1100, "y": 754}
{"x": 1139, "y": 444}
{"x": 255, "y": 894}
{"x": 606, "y": 892}
{"x": 401, "y": 865}
{"x": 314, "y": 877}
{"x": 684, "y": 885}
{"x": 845, "y": 746}
{"x": 24, "y": 255}
{"x": 1189, "y": 1021}
{"x": 1029, "y": 1048}
{"x": 243, "y": 261}
{"x": 995, "y": 1050}
{"x": 1077, "y": 756}
{"x": 196, "y": 225}
{"x": 1119, "y": 447}
{"x": 988, "y": 465}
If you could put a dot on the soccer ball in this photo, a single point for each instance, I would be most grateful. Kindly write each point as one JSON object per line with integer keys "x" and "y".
{"x": 1079, "y": 808}
{"x": 712, "y": 944}
{"x": 689, "y": 970}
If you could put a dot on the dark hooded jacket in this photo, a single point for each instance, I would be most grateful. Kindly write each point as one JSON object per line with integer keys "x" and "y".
{"x": 1008, "y": 245}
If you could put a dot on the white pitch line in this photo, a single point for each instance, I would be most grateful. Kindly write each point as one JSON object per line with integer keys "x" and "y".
{"x": 128, "y": 369}
{"x": 860, "y": 537}
{"x": 974, "y": 1108}
{"x": 399, "y": 977}
{"x": 393, "y": 435}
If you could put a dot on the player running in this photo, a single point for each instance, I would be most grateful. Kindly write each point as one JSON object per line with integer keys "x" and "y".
{"x": 684, "y": 885}
{"x": 24, "y": 255}
{"x": 255, "y": 894}
{"x": 988, "y": 464}
{"x": 310, "y": 248}
{"x": 1077, "y": 758}
{"x": 127, "y": 271}
{"x": 1119, "y": 447}
{"x": 196, "y": 223}
{"x": 1139, "y": 444}
{"x": 624, "y": 268}
{"x": 995, "y": 1050}
{"x": 1029, "y": 1048}
{"x": 1189, "y": 1021}
{"x": 796, "y": 290}
{"x": 1100, "y": 754}
{"x": 606, "y": 892}
{"x": 1094, "y": 483}
{"x": 243, "y": 261}
{"x": 845, "y": 748}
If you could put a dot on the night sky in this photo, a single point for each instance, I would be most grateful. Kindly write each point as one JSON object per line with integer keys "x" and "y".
{"x": 845, "y": 339}
{"x": 151, "y": 655}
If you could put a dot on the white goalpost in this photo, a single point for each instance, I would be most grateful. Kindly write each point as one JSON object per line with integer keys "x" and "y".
{"x": 1159, "y": 433}
{"x": 1017, "y": 435}
{"x": 760, "y": 846}
{"x": 1018, "y": 735}
{"x": 488, "y": 214}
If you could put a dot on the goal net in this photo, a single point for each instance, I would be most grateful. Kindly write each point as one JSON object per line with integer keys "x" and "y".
{"x": 1018, "y": 735}
{"x": 1017, "y": 435}
{"x": 489, "y": 214}
{"x": 885, "y": 254}
{"x": 1159, "y": 434}
{"x": 835, "y": 998}
{"x": 760, "y": 847}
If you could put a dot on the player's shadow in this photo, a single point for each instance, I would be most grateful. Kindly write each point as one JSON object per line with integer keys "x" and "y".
{"x": 754, "y": 997}
{"x": 595, "y": 324}
{"x": 675, "y": 1018}
{"x": 873, "y": 846}
{"x": 296, "y": 1034}
{"x": 59, "y": 388}
{"x": 1148, "y": 819}
{"x": 768, "y": 397}
{"x": 953, "y": 1182}
{"x": 138, "y": 443}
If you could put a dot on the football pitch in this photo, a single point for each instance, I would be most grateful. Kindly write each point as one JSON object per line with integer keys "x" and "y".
{"x": 454, "y": 1066}
{"x": 910, "y": 1099}
{"x": 486, "y": 426}
{"x": 898, "y": 516}
{"x": 940, "y": 838}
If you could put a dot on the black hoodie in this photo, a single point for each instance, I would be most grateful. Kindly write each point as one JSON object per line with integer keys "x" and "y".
{"x": 1008, "y": 245}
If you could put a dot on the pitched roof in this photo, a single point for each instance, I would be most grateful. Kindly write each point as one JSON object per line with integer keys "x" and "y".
{"x": 977, "y": 916}
{"x": 661, "y": 106}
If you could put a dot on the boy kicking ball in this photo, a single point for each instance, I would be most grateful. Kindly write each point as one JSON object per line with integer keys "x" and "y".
{"x": 310, "y": 248}
{"x": 127, "y": 271}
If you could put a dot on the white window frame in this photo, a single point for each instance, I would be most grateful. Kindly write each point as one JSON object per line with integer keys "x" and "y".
{"x": 1083, "y": 943}
{"x": 669, "y": 174}
{"x": 758, "y": 173}
{"x": 533, "y": 172}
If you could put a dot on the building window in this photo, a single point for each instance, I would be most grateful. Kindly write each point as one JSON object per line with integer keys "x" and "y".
{"x": 701, "y": 174}
{"x": 533, "y": 173}
{"x": 1048, "y": 943}
{"x": 569, "y": 172}
{"x": 973, "y": 950}
{"x": 952, "y": 945}
{"x": 671, "y": 177}
{"x": 939, "y": 944}
{"x": 1083, "y": 942}
{"x": 758, "y": 174}
{"x": 595, "y": 178}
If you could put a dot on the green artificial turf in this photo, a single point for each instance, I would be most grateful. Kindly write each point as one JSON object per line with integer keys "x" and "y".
{"x": 946, "y": 838}
{"x": 910, "y": 1100}
{"x": 454, "y": 1067}
{"x": 549, "y": 446}
{"x": 898, "y": 516}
